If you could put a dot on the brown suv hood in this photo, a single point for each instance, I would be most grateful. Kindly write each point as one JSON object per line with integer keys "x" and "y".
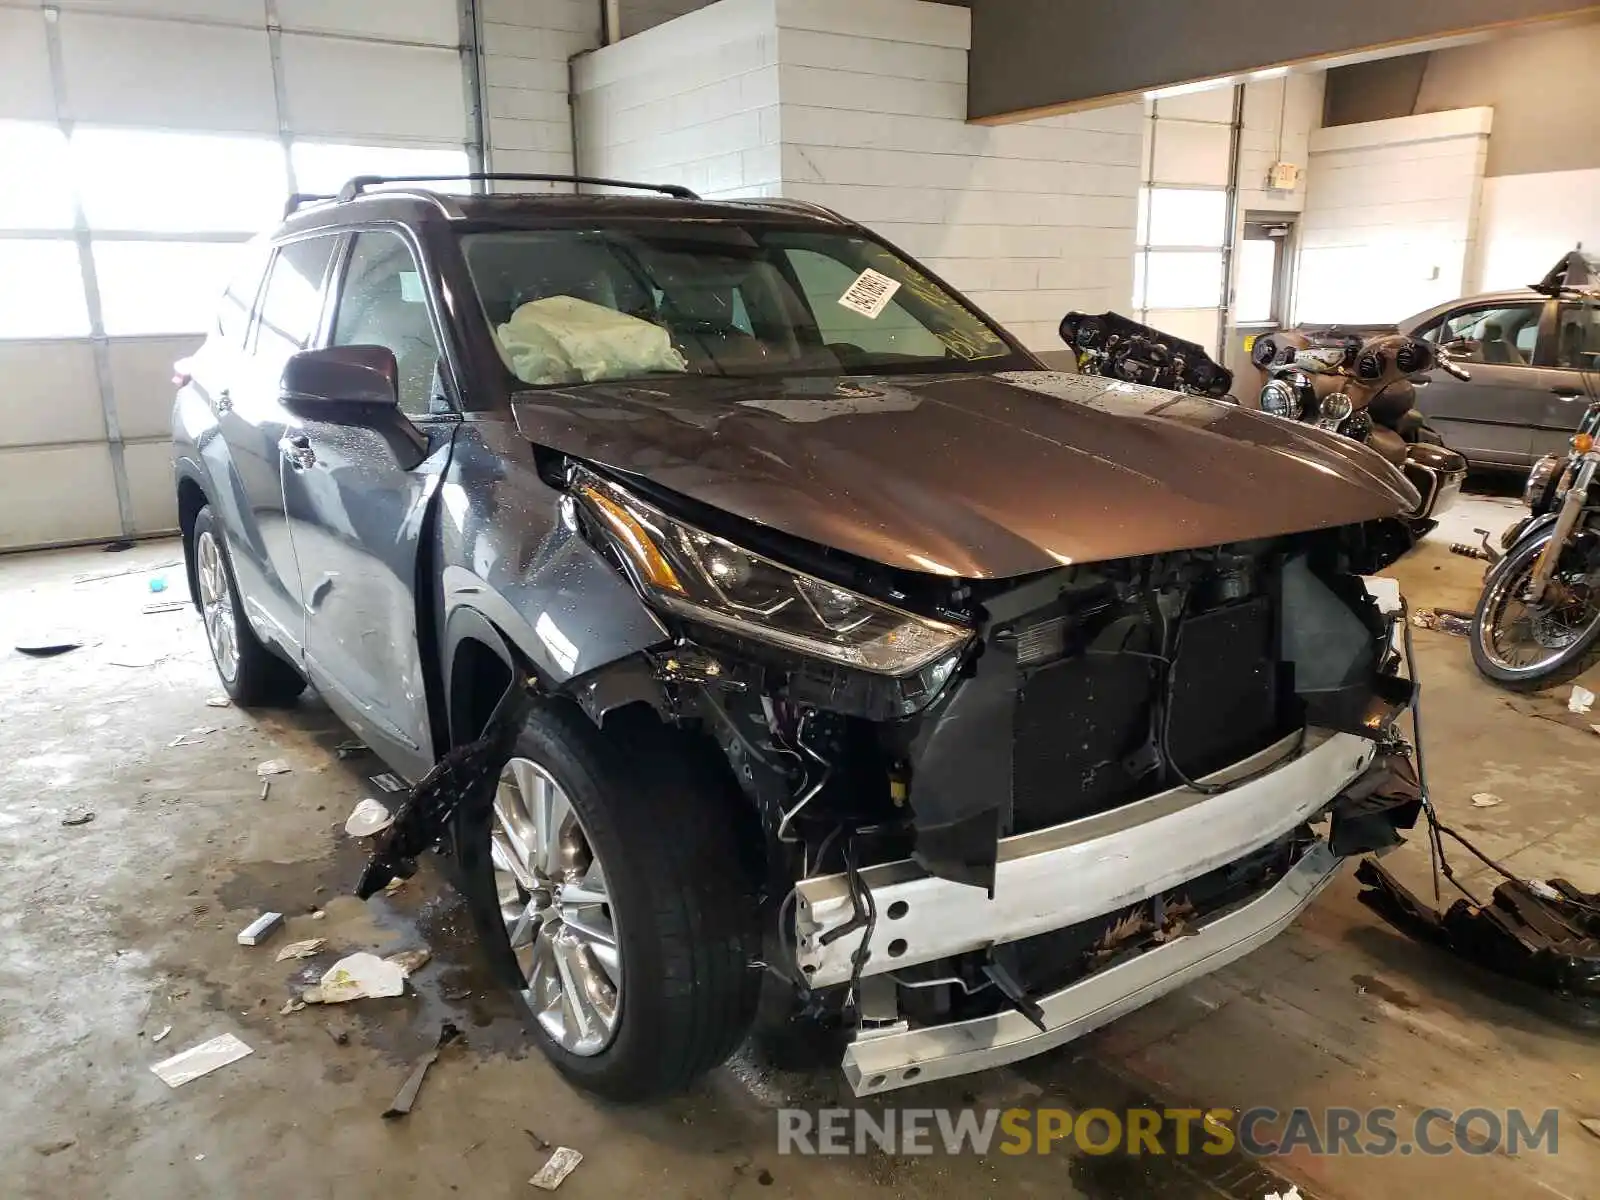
{"x": 979, "y": 476}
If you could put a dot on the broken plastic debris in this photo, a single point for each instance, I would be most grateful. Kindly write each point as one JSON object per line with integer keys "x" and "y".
{"x": 218, "y": 702}
{"x": 166, "y": 606}
{"x": 358, "y": 976}
{"x": 291, "y": 1006}
{"x": 47, "y": 645}
{"x": 301, "y": 949}
{"x": 389, "y": 782}
{"x": 1543, "y": 890}
{"x": 1581, "y": 700}
{"x": 394, "y": 885}
{"x": 201, "y": 1060}
{"x": 193, "y": 737}
{"x": 1292, "y": 1194}
{"x": 260, "y": 929}
{"x": 565, "y": 1160}
{"x": 346, "y": 749}
{"x": 165, "y": 1029}
{"x": 411, "y": 961}
{"x": 158, "y": 583}
{"x": 78, "y": 818}
{"x": 1443, "y": 620}
{"x": 407, "y": 1095}
{"x": 273, "y": 766}
{"x": 367, "y": 818}
{"x": 1485, "y": 800}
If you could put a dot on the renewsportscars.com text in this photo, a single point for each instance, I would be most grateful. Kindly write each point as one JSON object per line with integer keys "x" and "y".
{"x": 1257, "y": 1132}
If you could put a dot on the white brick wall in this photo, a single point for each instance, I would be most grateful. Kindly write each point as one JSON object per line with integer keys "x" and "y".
{"x": 861, "y": 105}
{"x": 1030, "y": 220}
{"x": 526, "y": 48}
{"x": 1279, "y": 115}
{"x": 693, "y": 102}
{"x": 1391, "y": 215}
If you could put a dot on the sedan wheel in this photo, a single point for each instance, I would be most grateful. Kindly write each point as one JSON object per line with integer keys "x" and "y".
{"x": 556, "y": 907}
{"x": 216, "y": 605}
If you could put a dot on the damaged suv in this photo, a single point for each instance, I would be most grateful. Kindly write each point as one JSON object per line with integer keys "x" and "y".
{"x": 746, "y": 610}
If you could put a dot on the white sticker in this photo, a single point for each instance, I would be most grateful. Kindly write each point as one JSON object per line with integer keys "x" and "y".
{"x": 870, "y": 294}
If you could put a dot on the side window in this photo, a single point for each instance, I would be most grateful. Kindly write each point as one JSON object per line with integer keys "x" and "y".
{"x": 1578, "y": 337}
{"x": 384, "y": 303}
{"x": 1501, "y": 334}
{"x": 233, "y": 313}
{"x": 290, "y": 306}
{"x": 893, "y": 331}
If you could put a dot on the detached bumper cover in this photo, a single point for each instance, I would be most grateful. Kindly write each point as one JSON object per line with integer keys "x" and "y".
{"x": 1053, "y": 878}
{"x": 881, "y": 1062}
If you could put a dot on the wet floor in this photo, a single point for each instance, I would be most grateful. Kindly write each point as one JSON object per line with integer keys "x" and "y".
{"x": 124, "y": 926}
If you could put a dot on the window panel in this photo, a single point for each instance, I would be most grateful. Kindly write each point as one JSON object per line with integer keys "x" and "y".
{"x": 144, "y": 180}
{"x": 1578, "y": 337}
{"x": 162, "y": 287}
{"x": 326, "y": 166}
{"x": 292, "y": 301}
{"x": 1256, "y": 273}
{"x": 384, "y": 304}
{"x": 1181, "y": 279}
{"x": 42, "y": 294}
{"x": 35, "y": 189}
{"x": 1497, "y": 334}
{"x": 1187, "y": 217}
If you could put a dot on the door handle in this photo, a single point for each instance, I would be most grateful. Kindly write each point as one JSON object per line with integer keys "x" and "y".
{"x": 296, "y": 448}
{"x": 1566, "y": 391}
{"x": 224, "y": 401}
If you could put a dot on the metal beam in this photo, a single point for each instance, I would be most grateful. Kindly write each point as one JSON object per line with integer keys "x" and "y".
{"x": 1034, "y": 58}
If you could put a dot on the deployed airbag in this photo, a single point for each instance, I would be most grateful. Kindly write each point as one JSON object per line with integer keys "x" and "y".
{"x": 562, "y": 339}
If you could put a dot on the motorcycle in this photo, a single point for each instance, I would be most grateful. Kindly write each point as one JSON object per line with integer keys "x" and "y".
{"x": 1538, "y": 620}
{"x": 1364, "y": 387}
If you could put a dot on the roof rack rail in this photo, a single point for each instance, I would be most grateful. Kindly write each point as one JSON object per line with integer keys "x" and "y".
{"x": 360, "y": 183}
{"x": 296, "y": 199}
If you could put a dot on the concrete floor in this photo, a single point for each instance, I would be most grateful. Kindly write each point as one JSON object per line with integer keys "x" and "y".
{"x": 115, "y": 929}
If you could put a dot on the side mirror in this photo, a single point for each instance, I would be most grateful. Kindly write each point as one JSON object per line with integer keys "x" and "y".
{"x": 1461, "y": 347}
{"x": 317, "y": 381}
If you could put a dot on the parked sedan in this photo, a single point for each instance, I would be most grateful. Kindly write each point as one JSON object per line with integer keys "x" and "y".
{"x": 1532, "y": 359}
{"x": 748, "y": 609}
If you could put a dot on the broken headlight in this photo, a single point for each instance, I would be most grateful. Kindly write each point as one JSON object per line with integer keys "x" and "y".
{"x": 710, "y": 579}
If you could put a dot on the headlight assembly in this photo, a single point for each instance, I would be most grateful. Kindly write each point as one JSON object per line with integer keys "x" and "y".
{"x": 709, "y": 579}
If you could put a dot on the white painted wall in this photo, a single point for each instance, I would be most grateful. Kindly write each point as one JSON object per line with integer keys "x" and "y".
{"x": 1030, "y": 220}
{"x": 1279, "y": 117}
{"x": 526, "y": 46}
{"x": 1529, "y": 221}
{"x": 1391, "y": 215}
{"x": 693, "y": 101}
{"x": 862, "y": 107}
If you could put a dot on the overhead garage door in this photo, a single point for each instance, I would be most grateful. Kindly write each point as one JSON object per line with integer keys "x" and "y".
{"x": 140, "y": 142}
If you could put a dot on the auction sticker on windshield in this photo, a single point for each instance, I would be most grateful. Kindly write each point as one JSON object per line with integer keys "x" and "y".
{"x": 870, "y": 294}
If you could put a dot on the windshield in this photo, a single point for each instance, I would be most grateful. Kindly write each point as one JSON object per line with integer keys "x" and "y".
{"x": 580, "y": 305}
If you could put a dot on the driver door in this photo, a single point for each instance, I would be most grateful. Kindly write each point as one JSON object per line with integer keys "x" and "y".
{"x": 1491, "y": 417}
{"x": 357, "y": 496}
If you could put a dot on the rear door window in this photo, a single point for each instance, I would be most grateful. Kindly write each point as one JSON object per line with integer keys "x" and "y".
{"x": 239, "y": 298}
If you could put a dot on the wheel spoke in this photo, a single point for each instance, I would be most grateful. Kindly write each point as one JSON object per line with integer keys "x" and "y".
{"x": 542, "y": 857}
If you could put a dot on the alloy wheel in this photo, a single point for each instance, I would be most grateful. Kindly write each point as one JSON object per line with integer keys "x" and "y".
{"x": 557, "y": 910}
{"x": 216, "y": 605}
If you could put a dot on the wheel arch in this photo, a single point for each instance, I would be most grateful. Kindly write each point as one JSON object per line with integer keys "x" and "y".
{"x": 192, "y": 497}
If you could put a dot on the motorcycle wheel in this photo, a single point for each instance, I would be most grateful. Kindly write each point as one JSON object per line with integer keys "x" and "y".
{"x": 1525, "y": 647}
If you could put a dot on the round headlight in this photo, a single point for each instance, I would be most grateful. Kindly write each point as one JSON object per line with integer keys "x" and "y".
{"x": 1277, "y": 398}
{"x": 1335, "y": 407}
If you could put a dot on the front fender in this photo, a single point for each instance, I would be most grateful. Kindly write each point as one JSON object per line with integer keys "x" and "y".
{"x": 510, "y": 555}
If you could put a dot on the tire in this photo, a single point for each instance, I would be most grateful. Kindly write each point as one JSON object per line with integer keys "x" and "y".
{"x": 680, "y": 901}
{"x": 259, "y": 678}
{"x": 1573, "y": 660}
